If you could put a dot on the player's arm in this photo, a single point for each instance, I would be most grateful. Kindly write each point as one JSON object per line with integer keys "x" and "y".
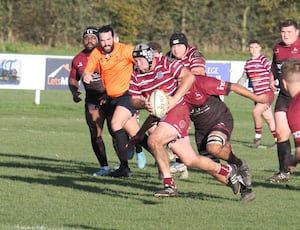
{"x": 241, "y": 90}
{"x": 74, "y": 86}
{"x": 138, "y": 101}
{"x": 198, "y": 71}
{"x": 273, "y": 85}
{"x": 73, "y": 82}
{"x": 187, "y": 80}
{"x": 273, "y": 76}
{"x": 92, "y": 64}
{"x": 242, "y": 79}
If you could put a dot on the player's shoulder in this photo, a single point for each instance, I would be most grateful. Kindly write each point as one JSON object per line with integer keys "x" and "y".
{"x": 194, "y": 52}
{"x": 279, "y": 45}
{"x": 79, "y": 56}
{"x": 120, "y": 45}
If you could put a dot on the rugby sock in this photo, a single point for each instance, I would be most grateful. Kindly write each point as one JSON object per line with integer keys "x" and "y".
{"x": 283, "y": 148}
{"x": 138, "y": 148}
{"x": 121, "y": 141}
{"x": 144, "y": 143}
{"x": 258, "y": 133}
{"x": 274, "y": 134}
{"x": 169, "y": 182}
{"x": 99, "y": 150}
{"x": 233, "y": 159}
{"x": 178, "y": 160}
{"x": 224, "y": 170}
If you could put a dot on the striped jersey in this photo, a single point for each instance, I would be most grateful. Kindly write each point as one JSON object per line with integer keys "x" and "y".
{"x": 163, "y": 76}
{"x": 258, "y": 71}
{"x": 192, "y": 59}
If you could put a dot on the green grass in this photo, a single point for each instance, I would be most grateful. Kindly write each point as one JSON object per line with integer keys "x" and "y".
{"x": 46, "y": 163}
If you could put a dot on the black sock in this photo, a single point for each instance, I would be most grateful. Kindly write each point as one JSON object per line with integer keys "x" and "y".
{"x": 121, "y": 141}
{"x": 178, "y": 160}
{"x": 244, "y": 189}
{"x": 283, "y": 148}
{"x": 99, "y": 150}
{"x": 233, "y": 159}
{"x": 138, "y": 148}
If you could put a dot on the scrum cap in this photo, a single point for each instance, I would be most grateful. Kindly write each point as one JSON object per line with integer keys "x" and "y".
{"x": 178, "y": 38}
{"x": 90, "y": 31}
{"x": 143, "y": 50}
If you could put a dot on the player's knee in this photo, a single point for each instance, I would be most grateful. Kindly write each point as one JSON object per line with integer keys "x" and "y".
{"x": 153, "y": 141}
{"x": 215, "y": 143}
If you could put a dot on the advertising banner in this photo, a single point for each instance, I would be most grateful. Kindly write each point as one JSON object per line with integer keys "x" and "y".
{"x": 19, "y": 71}
{"x": 57, "y": 73}
{"x": 220, "y": 71}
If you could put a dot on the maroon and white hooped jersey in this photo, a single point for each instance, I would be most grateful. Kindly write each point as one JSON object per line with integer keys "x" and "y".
{"x": 203, "y": 88}
{"x": 293, "y": 115}
{"x": 258, "y": 71}
{"x": 193, "y": 59}
{"x": 163, "y": 76}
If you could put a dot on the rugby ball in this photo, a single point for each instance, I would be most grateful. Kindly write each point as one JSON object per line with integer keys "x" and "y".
{"x": 159, "y": 102}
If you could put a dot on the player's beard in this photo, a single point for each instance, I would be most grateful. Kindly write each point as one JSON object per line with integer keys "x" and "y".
{"x": 90, "y": 46}
{"x": 108, "y": 48}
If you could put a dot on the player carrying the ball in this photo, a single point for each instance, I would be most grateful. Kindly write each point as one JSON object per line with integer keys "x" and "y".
{"x": 160, "y": 73}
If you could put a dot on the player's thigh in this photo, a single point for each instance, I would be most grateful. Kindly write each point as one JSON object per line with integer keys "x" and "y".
{"x": 163, "y": 134}
{"x": 132, "y": 126}
{"x": 268, "y": 114}
{"x": 183, "y": 149}
{"x": 120, "y": 116}
{"x": 94, "y": 115}
{"x": 259, "y": 109}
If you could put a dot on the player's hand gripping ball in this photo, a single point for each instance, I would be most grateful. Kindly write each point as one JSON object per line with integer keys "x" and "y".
{"x": 159, "y": 103}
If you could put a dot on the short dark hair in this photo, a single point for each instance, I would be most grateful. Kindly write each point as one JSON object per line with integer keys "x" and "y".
{"x": 105, "y": 29}
{"x": 291, "y": 70}
{"x": 155, "y": 46}
{"x": 253, "y": 41}
{"x": 289, "y": 22}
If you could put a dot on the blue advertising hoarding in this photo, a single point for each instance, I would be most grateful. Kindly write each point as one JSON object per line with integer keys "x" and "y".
{"x": 218, "y": 70}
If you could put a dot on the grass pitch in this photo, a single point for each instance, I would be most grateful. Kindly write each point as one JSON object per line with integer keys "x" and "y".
{"x": 46, "y": 163}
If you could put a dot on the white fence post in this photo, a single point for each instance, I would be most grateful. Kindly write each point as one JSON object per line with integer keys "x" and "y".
{"x": 37, "y": 99}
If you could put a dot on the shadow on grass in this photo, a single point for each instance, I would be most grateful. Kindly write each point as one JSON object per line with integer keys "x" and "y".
{"x": 73, "y": 174}
{"x": 249, "y": 144}
{"x": 87, "y": 227}
{"x": 288, "y": 185}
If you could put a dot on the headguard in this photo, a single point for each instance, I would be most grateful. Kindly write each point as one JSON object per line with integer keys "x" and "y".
{"x": 178, "y": 38}
{"x": 143, "y": 50}
{"x": 90, "y": 31}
